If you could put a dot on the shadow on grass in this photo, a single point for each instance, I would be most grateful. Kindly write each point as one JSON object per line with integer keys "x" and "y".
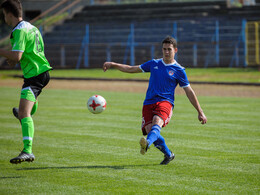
{"x": 88, "y": 167}
{"x": 17, "y": 177}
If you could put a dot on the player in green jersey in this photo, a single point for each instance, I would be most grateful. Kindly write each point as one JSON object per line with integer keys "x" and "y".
{"x": 28, "y": 50}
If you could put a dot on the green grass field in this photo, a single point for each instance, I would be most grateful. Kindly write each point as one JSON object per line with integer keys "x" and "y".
{"x": 81, "y": 153}
{"x": 246, "y": 75}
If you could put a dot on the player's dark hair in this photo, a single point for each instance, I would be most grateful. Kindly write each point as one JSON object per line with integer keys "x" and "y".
{"x": 170, "y": 40}
{"x": 13, "y": 6}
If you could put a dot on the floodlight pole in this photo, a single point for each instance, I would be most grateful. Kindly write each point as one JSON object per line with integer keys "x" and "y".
{"x": 244, "y": 40}
{"x": 86, "y": 56}
{"x": 217, "y": 43}
{"x": 132, "y": 44}
{"x": 84, "y": 49}
{"x": 195, "y": 55}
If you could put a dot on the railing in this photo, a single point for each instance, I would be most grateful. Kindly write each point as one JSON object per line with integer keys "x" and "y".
{"x": 93, "y": 55}
{"x": 210, "y": 48}
{"x": 230, "y": 3}
{"x": 43, "y": 19}
{"x": 106, "y": 2}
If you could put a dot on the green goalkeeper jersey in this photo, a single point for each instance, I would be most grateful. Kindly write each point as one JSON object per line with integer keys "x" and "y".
{"x": 27, "y": 38}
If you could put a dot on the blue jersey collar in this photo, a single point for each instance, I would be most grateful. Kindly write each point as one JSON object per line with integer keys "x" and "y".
{"x": 168, "y": 64}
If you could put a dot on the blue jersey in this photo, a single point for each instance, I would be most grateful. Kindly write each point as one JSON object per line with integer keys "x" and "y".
{"x": 163, "y": 80}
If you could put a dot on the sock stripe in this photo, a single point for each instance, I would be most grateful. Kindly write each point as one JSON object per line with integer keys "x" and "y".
{"x": 153, "y": 134}
{"x": 27, "y": 138}
{"x": 156, "y": 127}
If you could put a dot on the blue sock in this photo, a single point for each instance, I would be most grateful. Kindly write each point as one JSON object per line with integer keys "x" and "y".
{"x": 161, "y": 145}
{"x": 153, "y": 135}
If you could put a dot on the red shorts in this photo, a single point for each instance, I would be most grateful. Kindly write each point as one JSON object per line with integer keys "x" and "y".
{"x": 162, "y": 109}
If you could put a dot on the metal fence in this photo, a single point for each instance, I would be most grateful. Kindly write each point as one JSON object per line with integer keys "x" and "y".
{"x": 210, "y": 44}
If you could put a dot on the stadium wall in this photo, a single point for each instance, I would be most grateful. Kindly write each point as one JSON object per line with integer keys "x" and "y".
{"x": 208, "y": 33}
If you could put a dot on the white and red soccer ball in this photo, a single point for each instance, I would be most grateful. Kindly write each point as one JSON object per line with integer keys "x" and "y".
{"x": 96, "y": 104}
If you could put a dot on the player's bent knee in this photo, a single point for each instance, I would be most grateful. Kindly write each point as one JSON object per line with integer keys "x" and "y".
{"x": 22, "y": 115}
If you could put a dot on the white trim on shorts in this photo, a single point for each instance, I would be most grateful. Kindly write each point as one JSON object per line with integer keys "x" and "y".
{"x": 30, "y": 90}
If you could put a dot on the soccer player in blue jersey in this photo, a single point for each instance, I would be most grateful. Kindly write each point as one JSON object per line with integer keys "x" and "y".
{"x": 165, "y": 75}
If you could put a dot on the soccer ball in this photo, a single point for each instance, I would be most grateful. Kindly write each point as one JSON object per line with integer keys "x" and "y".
{"x": 96, "y": 104}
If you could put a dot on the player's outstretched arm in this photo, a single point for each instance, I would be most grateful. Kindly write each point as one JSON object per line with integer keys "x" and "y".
{"x": 194, "y": 101}
{"x": 121, "y": 67}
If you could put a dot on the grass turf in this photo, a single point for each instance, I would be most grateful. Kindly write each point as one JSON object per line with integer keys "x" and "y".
{"x": 250, "y": 75}
{"x": 79, "y": 152}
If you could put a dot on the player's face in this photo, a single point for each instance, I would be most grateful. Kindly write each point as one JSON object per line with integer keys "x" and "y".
{"x": 168, "y": 52}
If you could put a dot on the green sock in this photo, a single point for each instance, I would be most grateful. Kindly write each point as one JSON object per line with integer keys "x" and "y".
{"x": 34, "y": 108}
{"x": 28, "y": 131}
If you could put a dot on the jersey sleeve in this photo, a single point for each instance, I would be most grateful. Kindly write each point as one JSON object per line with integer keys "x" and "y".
{"x": 183, "y": 79}
{"x": 18, "y": 41}
{"x": 146, "y": 67}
